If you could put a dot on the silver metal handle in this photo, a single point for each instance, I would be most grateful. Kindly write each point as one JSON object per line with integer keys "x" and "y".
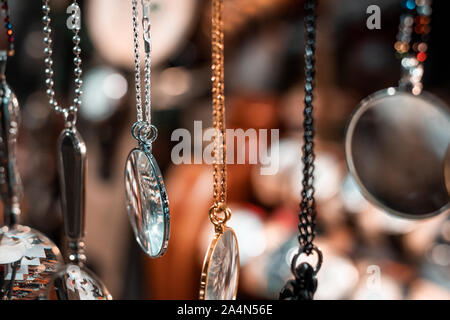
{"x": 72, "y": 173}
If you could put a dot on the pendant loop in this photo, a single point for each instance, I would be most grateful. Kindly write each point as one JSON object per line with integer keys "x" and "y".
{"x": 144, "y": 133}
{"x": 219, "y": 214}
{"x": 146, "y": 24}
{"x": 70, "y": 118}
{"x": 302, "y": 251}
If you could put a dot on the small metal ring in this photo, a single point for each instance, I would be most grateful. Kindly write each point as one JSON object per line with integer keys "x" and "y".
{"x": 300, "y": 252}
{"x": 214, "y": 212}
{"x": 70, "y": 118}
{"x": 144, "y": 133}
{"x": 135, "y": 128}
{"x": 148, "y": 134}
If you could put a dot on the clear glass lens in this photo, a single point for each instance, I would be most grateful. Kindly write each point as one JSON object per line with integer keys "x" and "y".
{"x": 28, "y": 260}
{"x": 73, "y": 282}
{"x": 222, "y": 272}
{"x": 147, "y": 202}
{"x": 397, "y": 149}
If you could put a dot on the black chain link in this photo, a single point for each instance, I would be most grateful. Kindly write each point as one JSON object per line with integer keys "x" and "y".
{"x": 307, "y": 214}
{"x": 304, "y": 285}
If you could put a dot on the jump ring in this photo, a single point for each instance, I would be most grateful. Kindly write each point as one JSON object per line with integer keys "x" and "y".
{"x": 300, "y": 252}
{"x": 144, "y": 133}
{"x": 136, "y": 128}
{"x": 215, "y": 211}
{"x": 70, "y": 118}
{"x": 149, "y": 134}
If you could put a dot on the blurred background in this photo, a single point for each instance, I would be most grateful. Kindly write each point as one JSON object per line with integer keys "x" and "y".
{"x": 264, "y": 87}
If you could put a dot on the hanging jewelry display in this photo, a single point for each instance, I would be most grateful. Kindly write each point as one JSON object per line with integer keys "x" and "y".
{"x": 220, "y": 273}
{"x": 147, "y": 202}
{"x": 28, "y": 258}
{"x": 72, "y": 281}
{"x": 304, "y": 285}
{"x": 397, "y": 133}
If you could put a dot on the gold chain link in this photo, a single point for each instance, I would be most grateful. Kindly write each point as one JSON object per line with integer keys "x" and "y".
{"x": 219, "y": 214}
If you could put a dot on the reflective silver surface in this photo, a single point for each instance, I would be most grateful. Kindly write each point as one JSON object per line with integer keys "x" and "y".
{"x": 28, "y": 259}
{"x": 10, "y": 182}
{"x": 147, "y": 203}
{"x": 73, "y": 282}
{"x": 72, "y": 173}
{"x": 396, "y": 146}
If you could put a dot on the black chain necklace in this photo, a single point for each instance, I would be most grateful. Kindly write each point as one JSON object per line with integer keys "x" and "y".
{"x": 304, "y": 285}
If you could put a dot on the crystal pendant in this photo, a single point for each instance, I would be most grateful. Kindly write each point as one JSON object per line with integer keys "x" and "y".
{"x": 220, "y": 273}
{"x": 73, "y": 282}
{"x": 147, "y": 203}
{"x": 28, "y": 259}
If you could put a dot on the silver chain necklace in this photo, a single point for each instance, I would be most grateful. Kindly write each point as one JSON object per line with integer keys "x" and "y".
{"x": 70, "y": 114}
{"x": 143, "y": 130}
{"x": 72, "y": 160}
{"x": 137, "y": 70}
{"x": 147, "y": 203}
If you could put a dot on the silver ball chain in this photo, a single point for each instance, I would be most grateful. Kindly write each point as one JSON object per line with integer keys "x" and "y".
{"x": 70, "y": 114}
{"x": 143, "y": 130}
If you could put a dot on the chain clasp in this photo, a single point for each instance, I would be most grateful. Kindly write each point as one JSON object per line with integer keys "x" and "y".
{"x": 146, "y": 24}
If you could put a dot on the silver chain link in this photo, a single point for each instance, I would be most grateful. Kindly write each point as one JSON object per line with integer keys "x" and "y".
{"x": 71, "y": 112}
{"x": 146, "y": 25}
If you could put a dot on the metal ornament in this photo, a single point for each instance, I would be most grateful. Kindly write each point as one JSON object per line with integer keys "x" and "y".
{"x": 396, "y": 135}
{"x": 73, "y": 281}
{"x": 27, "y": 257}
{"x": 10, "y": 182}
{"x": 220, "y": 272}
{"x": 305, "y": 282}
{"x": 147, "y": 202}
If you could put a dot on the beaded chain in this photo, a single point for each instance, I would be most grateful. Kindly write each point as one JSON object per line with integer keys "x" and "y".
{"x": 70, "y": 114}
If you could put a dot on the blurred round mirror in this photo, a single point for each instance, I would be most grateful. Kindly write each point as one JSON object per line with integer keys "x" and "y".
{"x": 396, "y": 147}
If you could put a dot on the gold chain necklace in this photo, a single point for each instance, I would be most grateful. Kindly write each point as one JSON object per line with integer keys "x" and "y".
{"x": 219, "y": 214}
{"x": 220, "y": 271}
